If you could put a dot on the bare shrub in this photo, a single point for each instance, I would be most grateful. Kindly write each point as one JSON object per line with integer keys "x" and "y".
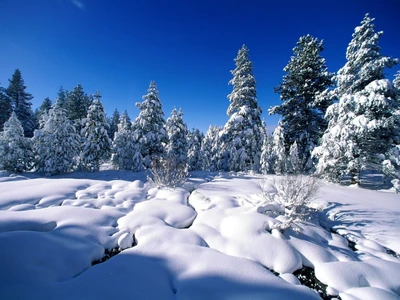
{"x": 290, "y": 199}
{"x": 167, "y": 172}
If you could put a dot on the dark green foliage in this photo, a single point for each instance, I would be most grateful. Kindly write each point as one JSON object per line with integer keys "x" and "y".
{"x": 113, "y": 122}
{"x": 302, "y": 112}
{"x": 21, "y": 102}
{"x": 78, "y": 103}
{"x": 5, "y": 107}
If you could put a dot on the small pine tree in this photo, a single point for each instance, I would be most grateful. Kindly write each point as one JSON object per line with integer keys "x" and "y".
{"x": 113, "y": 122}
{"x": 56, "y": 143}
{"x": 278, "y": 150}
{"x": 177, "y": 147}
{"x": 195, "y": 138}
{"x": 96, "y": 147}
{"x": 77, "y": 105}
{"x": 21, "y": 102}
{"x": 149, "y": 126}
{"x": 266, "y": 153}
{"x": 126, "y": 149}
{"x": 15, "y": 149}
{"x": 210, "y": 149}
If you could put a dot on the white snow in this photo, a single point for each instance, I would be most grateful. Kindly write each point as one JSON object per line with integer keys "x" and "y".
{"x": 215, "y": 243}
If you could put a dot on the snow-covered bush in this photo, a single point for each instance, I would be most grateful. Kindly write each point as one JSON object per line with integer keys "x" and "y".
{"x": 167, "y": 172}
{"x": 290, "y": 200}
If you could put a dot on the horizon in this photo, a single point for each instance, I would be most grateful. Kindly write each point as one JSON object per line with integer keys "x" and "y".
{"x": 188, "y": 49}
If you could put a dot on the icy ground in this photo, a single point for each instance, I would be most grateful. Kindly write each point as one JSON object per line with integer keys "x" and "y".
{"x": 206, "y": 241}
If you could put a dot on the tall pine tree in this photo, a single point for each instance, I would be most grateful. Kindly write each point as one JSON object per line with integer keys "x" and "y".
{"x": 77, "y": 105}
{"x": 364, "y": 124}
{"x": 21, "y": 102}
{"x": 242, "y": 134}
{"x": 5, "y": 106}
{"x": 302, "y": 110}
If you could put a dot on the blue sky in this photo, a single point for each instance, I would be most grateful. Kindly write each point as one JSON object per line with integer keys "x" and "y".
{"x": 187, "y": 47}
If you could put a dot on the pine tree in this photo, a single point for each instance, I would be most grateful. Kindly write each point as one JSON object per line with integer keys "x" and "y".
{"x": 113, "y": 122}
{"x": 56, "y": 143}
{"x": 295, "y": 165}
{"x": 242, "y": 136}
{"x": 365, "y": 63}
{"x": 302, "y": 109}
{"x": 279, "y": 159}
{"x": 62, "y": 98}
{"x": 210, "y": 149}
{"x": 195, "y": 138}
{"x": 266, "y": 152}
{"x": 45, "y": 106}
{"x": 149, "y": 126}
{"x": 96, "y": 147}
{"x": 126, "y": 149}
{"x": 15, "y": 149}
{"x": 363, "y": 128}
{"x": 177, "y": 147}
{"x": 363, "y": 125}
{"x": 21, "y": 102}
{"x": 77, "y": 105}
{"x": 5, "y": 107}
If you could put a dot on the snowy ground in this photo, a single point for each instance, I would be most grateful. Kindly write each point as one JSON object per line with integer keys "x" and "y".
{"x": 206, "y": 241}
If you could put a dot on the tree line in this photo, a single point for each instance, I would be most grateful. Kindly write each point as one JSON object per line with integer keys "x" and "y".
{"x": 331, "y": 124}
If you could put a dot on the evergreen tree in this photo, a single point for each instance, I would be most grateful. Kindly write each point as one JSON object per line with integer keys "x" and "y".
{"x": 177, "y": 147}
{"x": 363, "y": 128}
{"x": 266, "y": 152}
{"x": 210, "y": 149}
{"x": 149, "y": 126}
{"x": 195, "y": 138}
{"x": 278, "y": 159}
{"x": 56, "y": 143}
{"x": 113, "y": 122}
{"x": 15, "y": 149}
{"x": 126, "y": 150}
{"x": 96, "y": 147}
{"x": 77, "y": 105}
{"x": 365, "y": 63}
{"x": 62, "y": 98}
{"x": 21, "y": 102}
{"x": 5, "y": 107}
{"x": 302, "y": 109}
{"x": 295, "y": 165}
{"x": 363, "y": 125}
{"x": 45, "y": 106}
{"x": 241, "y": 138}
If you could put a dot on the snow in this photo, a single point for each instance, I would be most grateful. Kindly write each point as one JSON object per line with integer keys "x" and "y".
{"x": 214, "y": 242}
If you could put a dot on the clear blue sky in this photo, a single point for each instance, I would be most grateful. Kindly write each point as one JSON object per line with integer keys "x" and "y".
{"x": 186, "y": 46}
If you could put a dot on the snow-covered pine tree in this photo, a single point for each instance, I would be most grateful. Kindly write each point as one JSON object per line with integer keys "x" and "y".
{"x": 266, "y": 151}
{"x": 278, "y": 157}
{"x": 177, "y": 147}
{"x": 96, "y": 145}
{"x": 364, "y": 124}
{"x": 295, "y": 165}
{"x": 241, "y": 138}
{"x": 21, "y": 102}
{"x": 15, "y": 149}
{"x": 363, "y": 128}
{"x": 302, "y": 110}
{"x": 149, "y": 126}
{"x": 210, "y": 149}
{"x": 195, "y": 138}
{"x": 114, "y": 121}
{"x": 56, "y": 143}
{"x": 77, "y": 105}
{"x": 365, "y": 63}
{"x": 5, "y": 107}
{"x": 126, "y": 149}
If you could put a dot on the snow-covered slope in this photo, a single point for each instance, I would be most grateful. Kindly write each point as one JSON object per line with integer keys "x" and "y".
{"x": 210, "y": 244}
